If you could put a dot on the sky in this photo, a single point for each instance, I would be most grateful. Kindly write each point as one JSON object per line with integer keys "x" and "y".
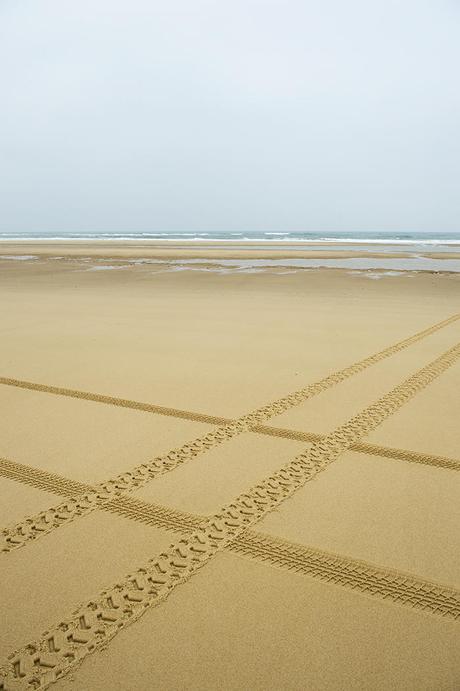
{"x": 201, "y": 115}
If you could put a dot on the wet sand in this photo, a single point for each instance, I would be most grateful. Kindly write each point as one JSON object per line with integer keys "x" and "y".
{"x": 157, "y": 249}
{"x": 345, "y": 575}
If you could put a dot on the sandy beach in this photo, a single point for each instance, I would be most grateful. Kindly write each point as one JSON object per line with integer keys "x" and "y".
{"x": 224, "y": 249}
{"x": 230, "y": 346}
{"x": 233, "y": 479}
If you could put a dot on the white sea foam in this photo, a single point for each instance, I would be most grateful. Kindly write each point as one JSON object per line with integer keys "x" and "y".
{"x": 398, "y": 239}
{"x": 106, "y": 267}
{"x": 18, "y": 257}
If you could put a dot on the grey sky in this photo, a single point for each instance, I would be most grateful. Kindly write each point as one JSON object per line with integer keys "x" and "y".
{"x": 245, "y": 115}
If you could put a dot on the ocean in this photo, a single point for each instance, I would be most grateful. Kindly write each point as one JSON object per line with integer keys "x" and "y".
{"x": 357, "y": 238}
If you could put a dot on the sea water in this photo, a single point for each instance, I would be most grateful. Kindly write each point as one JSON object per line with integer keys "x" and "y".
{"x": 390, "y": 241}
{"x": 412, "y": 244}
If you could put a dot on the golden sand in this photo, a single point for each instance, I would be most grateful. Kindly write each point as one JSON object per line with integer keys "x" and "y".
{"x": 241, "y": 624}
{"x": 151, "y": 540}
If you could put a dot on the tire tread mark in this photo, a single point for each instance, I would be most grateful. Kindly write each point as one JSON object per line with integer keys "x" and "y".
{"x": 391, "y": 584}
{"x": 36, "y": 526}
{"x": 154, "y": 514}
{"x": 328, "y": 381}
{"x": 42, "y": 479}
{"x": 115, "y": 401}
{"x": 137, "y": 509}
{"x": 82, "y": 504}
{"x": 403, "y": 588}
{"x": 361, "y": 447}
{"x": 94, "y": 623}
{"x": 217, "y": 420}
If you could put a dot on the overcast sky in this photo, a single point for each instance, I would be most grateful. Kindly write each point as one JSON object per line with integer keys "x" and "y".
{"x": 229, "y": 114}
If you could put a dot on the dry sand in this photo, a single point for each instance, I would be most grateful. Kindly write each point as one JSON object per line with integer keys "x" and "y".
{"x": 357, "y": 583}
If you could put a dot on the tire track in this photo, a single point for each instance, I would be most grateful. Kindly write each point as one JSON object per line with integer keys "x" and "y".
{"x": 36, "y": 526}
{"x": 409, "y": 456}
{"x": 391, "y": 584}
{"x": 41, "y": 479}
{"x": 217, "y": 420}
{"x": 94, "y": 623}
{"x": 361, "y": 447}
{"x": 136, "y": 509}
{"x": 115, "y": 401}
{"x": 82, "y": 504}
{"x": 154, "y": 514}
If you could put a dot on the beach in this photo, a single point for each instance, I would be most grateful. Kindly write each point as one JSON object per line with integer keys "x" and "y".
{"x": 222, "y": 475}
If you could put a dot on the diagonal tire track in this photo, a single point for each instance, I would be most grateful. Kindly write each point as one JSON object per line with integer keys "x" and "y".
{"x": 83, "y": 503}
{"x": 400, "y": 587}
{"x": 362, "y": 447}
{"x": 212, "y": 419}
{"x": 94, "y": 623}
{"x": 31, "y": 529}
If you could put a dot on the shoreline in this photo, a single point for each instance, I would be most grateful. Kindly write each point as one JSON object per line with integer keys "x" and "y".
{"x": 223, "y": 258}
{"x": 225, "y": 250}
{"x": 144, "y": 267}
